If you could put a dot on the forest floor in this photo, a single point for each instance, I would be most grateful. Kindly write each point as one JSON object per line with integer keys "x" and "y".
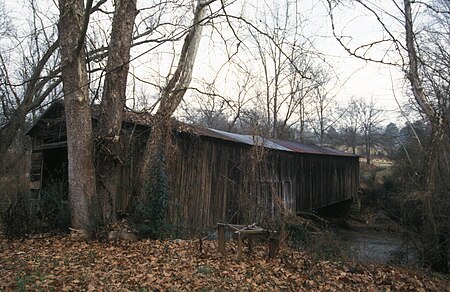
{"x": 59, "y": 263}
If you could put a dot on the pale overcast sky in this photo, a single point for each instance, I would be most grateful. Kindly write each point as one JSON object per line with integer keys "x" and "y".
{"x": 353, "y": 78}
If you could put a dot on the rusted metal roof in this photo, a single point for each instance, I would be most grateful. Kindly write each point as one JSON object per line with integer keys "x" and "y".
{"x": 276, "y": 144}
{"x": 283, "y": 145}
{"x": 311, "y": 148}
{"x": 249, "y": 140}
{"x": 145, "y": 119}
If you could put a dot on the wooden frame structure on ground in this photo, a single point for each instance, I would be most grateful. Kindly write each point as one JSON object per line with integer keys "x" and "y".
{"x": 242, "y": 231}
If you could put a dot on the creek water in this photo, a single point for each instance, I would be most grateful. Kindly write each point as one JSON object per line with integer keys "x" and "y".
{"x": 376, "y": 247}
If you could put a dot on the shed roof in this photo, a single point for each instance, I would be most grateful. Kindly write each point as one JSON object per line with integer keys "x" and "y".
{"x": 145, "y": 119}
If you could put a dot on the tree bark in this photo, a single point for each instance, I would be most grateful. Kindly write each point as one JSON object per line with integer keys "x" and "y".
{"x": 78, "y": 115}
{"x": 30, "y": 101}
{"x": 36, "y": 89}
{"x": 7, "y": 135}
{"x": 368, "y": 147}
{"x": 112, "y": 108}
{"x": 172, "y": 96}
{"x": 436, "y": 121}
{"x": 438, "y": 247}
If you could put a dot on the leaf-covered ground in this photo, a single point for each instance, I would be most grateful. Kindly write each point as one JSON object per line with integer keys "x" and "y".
{"x": 61, "y": 264}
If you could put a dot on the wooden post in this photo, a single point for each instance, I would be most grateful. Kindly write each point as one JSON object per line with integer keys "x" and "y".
{"x": 239, "y": 247}
{"x": 273, "y": 246}
{"x": 250, "y": 244}
{"x": 221, "y": 238}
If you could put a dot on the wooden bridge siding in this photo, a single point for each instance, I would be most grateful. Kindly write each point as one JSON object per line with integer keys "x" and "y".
{"x": 199, "y": 188}
{"x": 207, "y": 181}
{"x": 288, "y": 176}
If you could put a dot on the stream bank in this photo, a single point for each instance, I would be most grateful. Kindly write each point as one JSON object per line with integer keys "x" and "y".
{"x": 368, "y": 235}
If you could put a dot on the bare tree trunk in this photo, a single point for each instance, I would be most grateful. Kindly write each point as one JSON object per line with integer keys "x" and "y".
{"x": 275, "y": 104}
{"x": 112, "y": 108}
{"x": 78, "y": 114}
{"x": 422, "y": 100}
{"x": 368, "y": 147}
{"x": 31, "y": 100}
{"x": 7, "y": 135}
{"x": 172, "y": 95}
{"x": 437, "y": 232}
{"x": 39, "y": 85}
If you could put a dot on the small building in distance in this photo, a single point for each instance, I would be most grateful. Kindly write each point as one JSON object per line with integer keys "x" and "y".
{"x": 214, "y": 176}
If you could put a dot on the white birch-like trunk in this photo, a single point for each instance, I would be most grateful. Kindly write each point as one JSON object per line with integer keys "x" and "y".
{"x": 174, "y": 92}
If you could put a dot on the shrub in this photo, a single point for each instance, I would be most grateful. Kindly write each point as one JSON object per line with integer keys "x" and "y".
{"x": 297, "y": 234}
{"x": 326, "y": 246}
{"x": 16, "y": 220}
{"x": 53, "y": 208}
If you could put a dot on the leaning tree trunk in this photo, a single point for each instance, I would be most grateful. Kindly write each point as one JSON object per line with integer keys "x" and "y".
{"x": 31, "y": 100}
{"x": 436, "y": 230}
{"x": 78, "y": 115}
{"x": 109, "y": 158}
{"x": 172, "y": 96}
{"x": 7, "y": 136}
{"x": 425, "y": 105}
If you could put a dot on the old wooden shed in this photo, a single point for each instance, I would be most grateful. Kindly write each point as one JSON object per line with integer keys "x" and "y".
{"x": 215, "y": 176}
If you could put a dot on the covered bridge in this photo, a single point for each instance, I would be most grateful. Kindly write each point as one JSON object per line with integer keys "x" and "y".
{"x": 214, "y": 176}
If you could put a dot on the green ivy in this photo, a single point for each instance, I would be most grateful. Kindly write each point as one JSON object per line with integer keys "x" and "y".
{"x": 152, "y": 218}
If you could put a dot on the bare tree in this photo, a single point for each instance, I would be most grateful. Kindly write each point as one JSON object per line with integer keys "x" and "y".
{"x": 287, "y": 66}
{"x": 371, "y": 116}
{"x": 320, "y": 117}
{"x": 6, "y": 26}
{"x": 321, "y": 114}
{"x": 301, "y": 93}
{"x": 286, "y": 59}
{"x": 350, "y": 124}
{"x": 210, "y": 108}
{"x": 427, "y": 72}
{"x": 112, "y": 107}
{"x": 421, "y": 51}
{"x": 30, "y": 70}
{"x": 171, "y": 96}
{"x": 422, "y": 54}
{"x": 73, "y": 23}
{"x": 211, "y": 113}
{"x": 28, "y": 73}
